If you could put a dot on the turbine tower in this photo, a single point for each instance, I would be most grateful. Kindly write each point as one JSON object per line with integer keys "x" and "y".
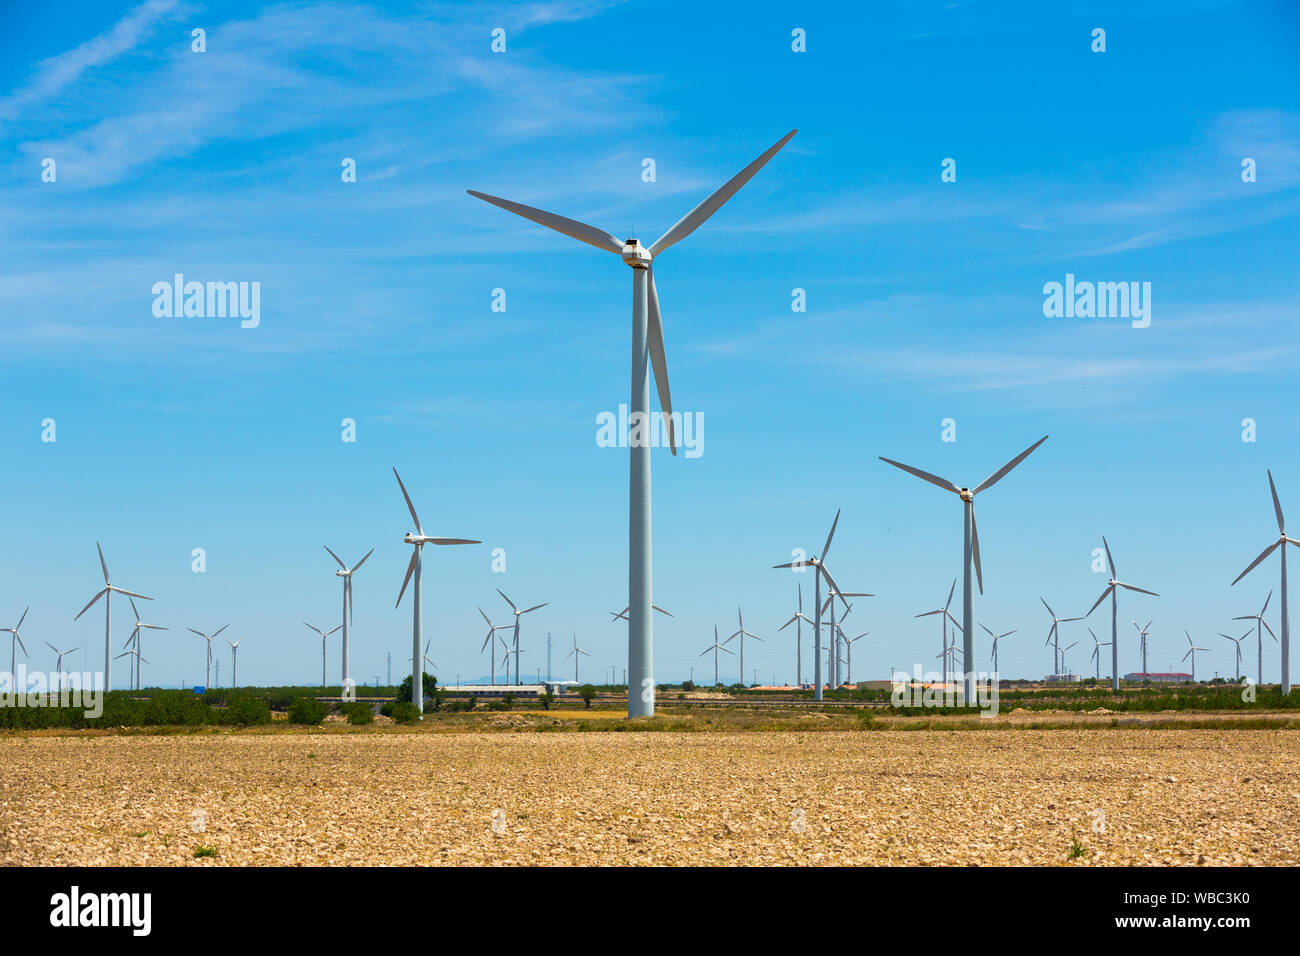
{"x": 647, "y": 351}
{"x": 1054, "y": 635}
{"x": 715, "y": 647}
{"x": 1191, "y": 652}
{"x": 1281, "y": 542}
{"x": 1259, "y": 636}
{"x": 107, "y": 595}
{"x": 346, "y": 573}
{"x": 818, "y": 563}
{"x": 798, "y": 622}
{"x": 1112, "y": 588}
{"x": 576, "y": 653}
{"x": 971, "y": 551}
{"x": 14, "y": 644}
{"x": 742, "y": 634}
{"x": 234, "y": 662}
{"x": 417, "y": 541}
{"x": 207, "y": 674}
{"x": 518, "y": 614}
{"x": 323, "y": 635}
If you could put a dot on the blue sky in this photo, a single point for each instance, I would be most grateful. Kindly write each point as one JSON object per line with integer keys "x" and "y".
{"x": 924, "y": 303}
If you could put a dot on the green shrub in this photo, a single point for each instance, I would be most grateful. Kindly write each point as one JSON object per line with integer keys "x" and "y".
{"x": 546, "y": 698}
{"x": 404, "y": 712}
{"x": 307, "y": 710}
{"x": 587, "y": 693}
{"x": 358, "y": 713}
{"x": 247, "y": 711}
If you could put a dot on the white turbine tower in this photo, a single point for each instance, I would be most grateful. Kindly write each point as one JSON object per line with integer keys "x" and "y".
{"x": 1096, "y": 653}
{"x": 346, "y": 573}
{"x": 137, "y": 636}
{"x": 14, "y": 644}
{"x": 971, "y": 550}
{"x": 742, "y": 634}
{"x": 715, "y": 647}
{"x": 1191, "y": 652}
{"x": 518, "y": 614}
{"x": 1281, "y": 542}
{"x": 818, "y": 563}
{"x": 1142, "y": 634}
{"x": 944, "y": 617}
{"x": 1260, "y": 623}
{"x": 207, "y": 674}
{"x": 488, "y": 645}
{"x": 107, "y": 595}
{"x": 1054, "y": 635}
{"x": 1112, "y": 588}
{"x": 417, "y": 541}
{"x": 323, "y": 636}
{"x": 838, "y": 633}
{"x": 1237, "y": 641}
{"x": 58, "y": 668}
{"x": 576, "y": 653}
{"x": 996, "y": 638}
{"x": 234, "y": 662}
{"x": 647, "y": 352}
{"x": 798, "y": 622}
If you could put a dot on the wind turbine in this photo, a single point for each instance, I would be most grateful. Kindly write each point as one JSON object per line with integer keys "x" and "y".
{"x": 58, "y": 668}
{"x": 819, "y": 564}
{"x": 323, "y": 635}
{"x": 346, "y": 573}
{"x": 622, "y": 615}
{"x": 1096, "y": 653}
{"x": 234, "y": 662}
{"x": 518, "y": 614}
{"x": 1237, "y": 641}
{"x": 487, "y": 643}
{"x": 134, "y": 652}
{"x": 848, "y": 645}
{"x": 1142, "y": 631}
{"x": 971, "y": 550}
{"x": 1054, "y": 635}
{"x": 1064, "y": 670}
{"x": 137, "y": 635}
{"x": 207, "y": 674}
{"x": 798, "y": 622}
{"x": 417, "y": 541}
{"x": 1259, "y": 637}
{"x": 831, "y": 595}
{"x": 647, "y": 350}
{"x": 715, "y": 647}
{"x": 742, "y": 634}
{"x": 1281, "y": 542}
{"x": 14, "y": 644}
{"x": 107, "y": 595}
{"x": 996, "y": 638}
{"x": 575, "y": 655}
{"x": 426, "y": 656}
{"x": 944, "y": 617}
{"x": 1192, "y": 649}
{"x": 1112, "y": 588}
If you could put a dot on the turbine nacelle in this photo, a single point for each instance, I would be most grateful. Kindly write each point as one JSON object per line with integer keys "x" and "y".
{"x": 636, "y": 255}
{"x": 966, "y": 494}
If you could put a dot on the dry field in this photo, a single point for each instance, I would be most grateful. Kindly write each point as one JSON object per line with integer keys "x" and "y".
{"x": 920, "y": 797}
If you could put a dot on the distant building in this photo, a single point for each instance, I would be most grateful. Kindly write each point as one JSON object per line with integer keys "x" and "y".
{"x": 1168, "y": 677}
{"x": 1062, "y": 679}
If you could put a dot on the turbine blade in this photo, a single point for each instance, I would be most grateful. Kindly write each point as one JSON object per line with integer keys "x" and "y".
{"x": 129, "y": 594}
{"x": 222, "y": 628}
{"x": 92, "y": 602}
{"x": 1001, "y": 473}
{"x": 410, "y": 569}
{"x": 661, "y": 610}
{"x": 535, "y": 607}
{"x": 1266, "y": 600}
{"x": 975, "y": 548}
{"x": 788, "y": 623}
{"x": 830, "y": 580}
{"x": 454, "y": 541}
{"x": 569, "y": 227}
{"x": 794, "y": 564}
{"x": 697, "y": 216}
{"x": 23, "y": 618}
{"x": 1139, "y": 590}
{"x": 335, "y": 557}
{"x": 484, "y": 616}
{"x": 834, "y": 525}
{"x": 943, "y": 483}
{"x": 328, "y": 633}
{"x": 1109, "y": 559}
{"x": 1263, "y": 554}
{"x": 314, "y": 628}
{"x": 1104, "y": 593}
{"x": 409, "y": 507}
{"x": 1277, "y": 510}
{"x": 1269, "y": 629}
{"x": 659, "y": 360}
{"x": 103, "y": 564}
{"x": 363, "y": 560}
{"x": 1049, "y": 608}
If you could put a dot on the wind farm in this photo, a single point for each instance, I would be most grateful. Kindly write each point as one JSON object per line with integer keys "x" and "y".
{"x": 301, "y": 277}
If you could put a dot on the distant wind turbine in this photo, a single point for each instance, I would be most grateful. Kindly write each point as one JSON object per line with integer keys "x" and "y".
{"x": 1142, "y": 632}
{"x": 576, "y": 653}
{"x": 742, "y": 634}
{"x": 489, "y": 646}
{"x": 1112, "y": 589}
{"x": 58, "y": 668}
{"x": 137, "y": 636}
{"x": 848, "y": 645}
{"x": 944, "y": 617}
{"x": 1259, "y": 636}
{"x": 234, "y": 662}
{"x": 1281, "y": 542}
{"x": 798, "y": 622}
{"x": 207, "y": 674}
{"x": 14, "y": 644}
{"x": 518, "y": 614}
{"x": 1054, "y": 635}
{"x": 818, "y": 563}
{"x": 323, "y": 636}
{"x": 1096, "y": 653}
{"x": 107, "y": 595}
{"x": 715, "y": 647}
{"x": 1192, "y": 649}
{"x": 996, "y": 638}
{"x": 346, "y": 573}
{"x": 1237, "y": 642}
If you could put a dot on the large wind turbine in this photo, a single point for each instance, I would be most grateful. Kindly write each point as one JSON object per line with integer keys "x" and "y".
{"x": 137, "y": 636}
{"x": 14, "y": 644}
{"x": 1281, "y": 542}
{"x": 346, "y": 573}
{"x": 818, "y": 563}
{"x": 518, "y": 614}
{"x": 207, "y": 674}
{"x": 798, "y": 622}
{"x": 576, "y": 654}
{"x": 715, "y": 647}
{"x": 1054, "y": 635}
{"x": 107, "y": 595}
{"x": 1259, "y": 636}
{"x": 487, "y": 643}
{"x": 944, "y": 617}
{"x": 1112, "y": 588}
{"x": 417, "y": 541}
{"x": 647, "y": 351}
{"x": 971, "y": 551}
{"x": 323, "y": 635}
{"x": 1191, "y": 652}
{"x": 742, "y": 634}
{"x": 996, "y": 638}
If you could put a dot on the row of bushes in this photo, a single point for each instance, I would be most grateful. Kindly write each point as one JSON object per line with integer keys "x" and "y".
{"x": 121, "y": 709}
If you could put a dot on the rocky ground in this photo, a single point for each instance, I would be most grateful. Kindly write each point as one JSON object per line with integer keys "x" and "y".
{"x": 1050, "y": 797}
